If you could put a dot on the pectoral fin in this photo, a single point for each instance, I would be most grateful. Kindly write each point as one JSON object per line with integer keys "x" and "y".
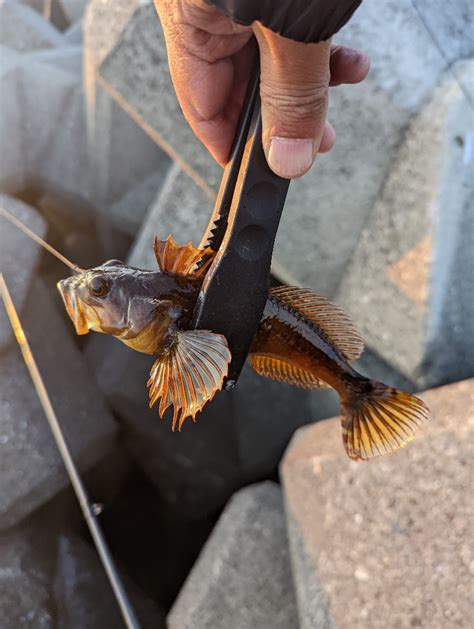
{"x": 189, "y": 373}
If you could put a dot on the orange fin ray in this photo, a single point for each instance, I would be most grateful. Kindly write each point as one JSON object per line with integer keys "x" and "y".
{"x": 284, "y": 371}
{"x": 381, "y": 422}
{"x": 182, "y": 259}
{"x": 322, "y": 312}
{"x": 189, "y": 374}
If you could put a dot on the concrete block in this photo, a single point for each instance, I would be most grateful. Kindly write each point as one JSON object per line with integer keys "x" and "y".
{"x": 83, "y": 595}
{"x": 384, "y": 543}
{"x": 25, "y": 571}
{"x": 74, "y": 35}
{"x": 23, "y": 29}
{"x": 450, "y": 24}
{"x": 407, "y": 285}
{"x": 67, "y": 58}
{"x": 243, "y": 576}
{"x": 13, "y": 170}
{"x": 136, "y": 73}
{"x": 48, "y": 95}
{"x": 181, "y": 208}
{"x": 73, "y": 9}
{"x": 128, "y": 213}
{"x": 18, "y": 257}
{"x": 31, "y": 468}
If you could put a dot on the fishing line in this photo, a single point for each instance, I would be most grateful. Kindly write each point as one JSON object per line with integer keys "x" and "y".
{"x": 26, "y": 230}
{"x": 128, "y": 614}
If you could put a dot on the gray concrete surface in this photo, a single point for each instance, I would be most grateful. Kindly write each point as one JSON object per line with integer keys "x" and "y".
{"x": 132, "y": 214}
{"x": 18, "y": 257}
{"x": 386, "y": 542}
{"x": 13, "y": 172}
{"x": 83, "y": 596}
{"x": 73, "y": 9}
{"x": 25, "y": 568}
{"x": 408, "y": 285}
{"x": 181, "y": 208}
{"x": 73, "y": 35}
{"x": 242, "y": 579}
{"x": 23, "y": 29}
{"x": 32, "y": 470}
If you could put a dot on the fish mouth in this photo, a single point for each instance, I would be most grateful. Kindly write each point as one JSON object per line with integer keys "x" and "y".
{"x": 73, "y": 305}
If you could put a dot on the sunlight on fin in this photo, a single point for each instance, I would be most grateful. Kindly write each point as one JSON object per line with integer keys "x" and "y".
{"x": 189, "y": 374}
{"x": 283, "y": 371}
{"x": 182, "y": 259}
{"x": 381, "y": 423}
{"x": 329, "y": 317}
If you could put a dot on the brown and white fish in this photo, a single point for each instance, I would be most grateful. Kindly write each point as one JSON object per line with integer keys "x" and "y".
{"x": 303, "y": 339}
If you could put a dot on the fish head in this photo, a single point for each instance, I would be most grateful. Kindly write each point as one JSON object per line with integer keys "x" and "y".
{"x": 116, "y": 299}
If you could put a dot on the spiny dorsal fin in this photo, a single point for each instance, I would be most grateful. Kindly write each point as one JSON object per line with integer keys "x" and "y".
{"x": 326, "y": 315}
{"x": 283, "y": 371}
{"x": 182, "y": 259}
{"x": 189, "y": 374}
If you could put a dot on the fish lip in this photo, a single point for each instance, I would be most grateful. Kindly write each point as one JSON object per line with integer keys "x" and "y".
{"x": 73, "y": 306}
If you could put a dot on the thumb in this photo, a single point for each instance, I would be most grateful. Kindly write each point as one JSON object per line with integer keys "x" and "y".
{"x": 294, "y": 93}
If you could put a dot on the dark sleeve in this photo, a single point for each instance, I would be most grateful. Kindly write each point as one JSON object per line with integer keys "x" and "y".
{"x": 302, "y": 20}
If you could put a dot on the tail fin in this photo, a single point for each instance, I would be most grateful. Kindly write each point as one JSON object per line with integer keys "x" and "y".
{"x": 379, "y": 420}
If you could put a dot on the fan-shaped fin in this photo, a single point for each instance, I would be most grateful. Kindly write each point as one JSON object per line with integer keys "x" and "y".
{"x": 189, "y": 374}
{"x": 284, "y": 371}
{"x": 182, "y": 259}
{"x": 381, "y": 421}
{"x": 326, "y": 315}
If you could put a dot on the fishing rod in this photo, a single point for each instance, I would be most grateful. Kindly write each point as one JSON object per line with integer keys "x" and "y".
{"x": 31, "y": 234}
{"x": 89, "y": 510}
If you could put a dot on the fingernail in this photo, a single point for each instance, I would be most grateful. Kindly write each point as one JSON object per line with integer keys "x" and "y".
{"x": 289, "y": 157}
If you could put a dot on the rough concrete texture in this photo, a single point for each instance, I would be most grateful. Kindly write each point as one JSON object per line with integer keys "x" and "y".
{"x": 42, "y": 96}
{"x": 83, "y": 595}
{"x": 450, "y": 24}
{"x": 26, "y": 558}
{"x": 73, "y": 9}
{"x": 31, "y": 467}
{"x": 44, "y": 93}
{"x": 407, "y": 285}
{"x": 128, "y": 213}
{"x": 181, "y": 209}
{"x": 385, "y": 543}
{"x": 18, "y": 257}
{"x": 136, "y": 74}
{"x": 13, "y": 173}
{"x": 73, "y": 35}
{"x": 67, "y": 58}
{"x": 242, "y": 578}
{"x": 23, "y": 29}
{"x": 238, "y": 438}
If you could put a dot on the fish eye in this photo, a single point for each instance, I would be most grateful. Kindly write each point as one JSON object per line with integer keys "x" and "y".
{"x": 99, "y": 286}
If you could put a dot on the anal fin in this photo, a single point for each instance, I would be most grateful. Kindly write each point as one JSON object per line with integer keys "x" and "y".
{"x": 189, "y": 373}
{"x": 285, "y": 371}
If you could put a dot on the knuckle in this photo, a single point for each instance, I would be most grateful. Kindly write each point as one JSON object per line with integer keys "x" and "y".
{"x": 301, "y": 104}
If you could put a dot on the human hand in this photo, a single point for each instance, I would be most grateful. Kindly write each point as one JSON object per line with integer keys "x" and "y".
{"x": 210, "y": 59}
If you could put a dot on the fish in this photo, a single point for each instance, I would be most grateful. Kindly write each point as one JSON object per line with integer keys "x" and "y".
{"x": 303, "y": 339}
